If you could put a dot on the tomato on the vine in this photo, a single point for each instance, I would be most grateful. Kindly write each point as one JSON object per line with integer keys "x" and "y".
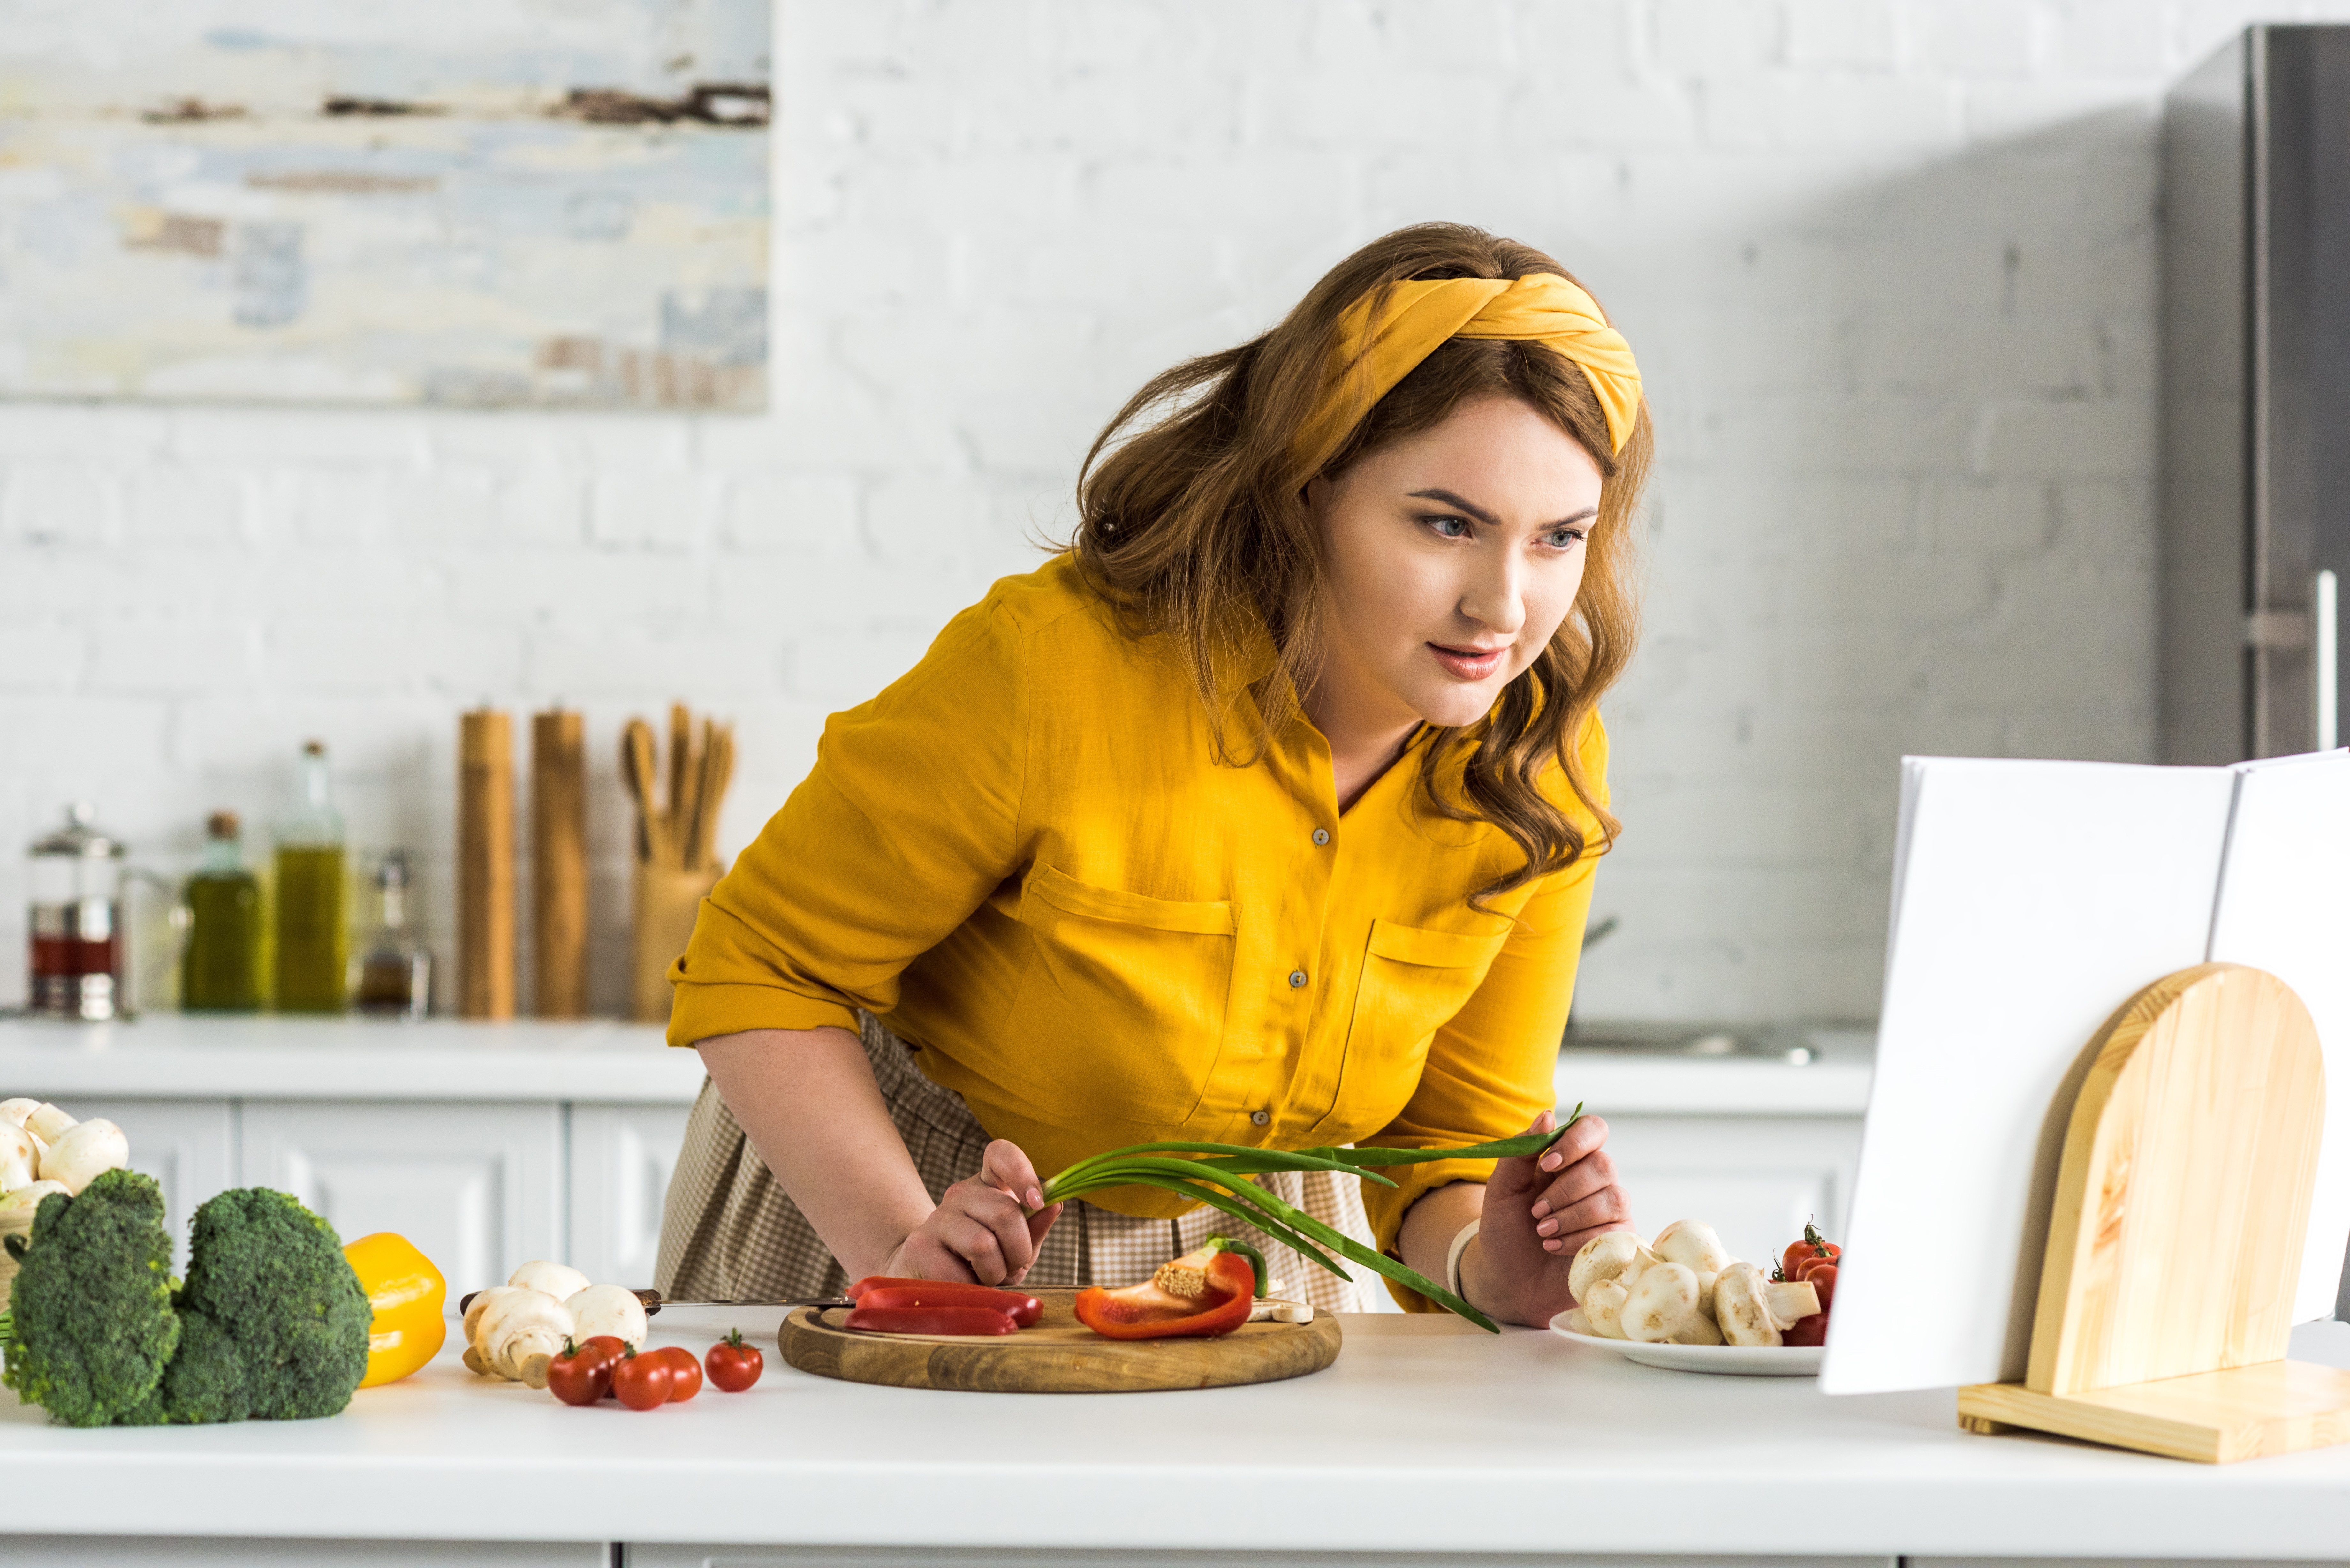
{"x": 1813, "y": 1250}
{"x": 581, "y": 1375}
{"x": 1811, "y": 1330}
{"x": 734, "y": 1366}
{"x": 642, "y": 1382}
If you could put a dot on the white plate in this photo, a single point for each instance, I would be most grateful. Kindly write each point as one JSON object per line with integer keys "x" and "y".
{"x": 1733, "y": 1360}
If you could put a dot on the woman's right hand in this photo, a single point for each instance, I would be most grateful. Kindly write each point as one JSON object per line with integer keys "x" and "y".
{"x": 982, "y": 1231}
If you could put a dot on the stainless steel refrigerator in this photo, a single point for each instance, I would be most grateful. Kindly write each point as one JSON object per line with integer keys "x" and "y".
{"x": 2256, "y": 397}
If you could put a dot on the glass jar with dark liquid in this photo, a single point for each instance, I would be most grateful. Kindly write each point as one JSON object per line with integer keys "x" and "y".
{"x": 76, "y": 922}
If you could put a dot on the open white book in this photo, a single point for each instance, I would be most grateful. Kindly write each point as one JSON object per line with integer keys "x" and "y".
{"x": 2030, "y": 900}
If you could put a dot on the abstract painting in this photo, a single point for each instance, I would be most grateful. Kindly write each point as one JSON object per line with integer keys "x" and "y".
{"x": 547, "y": 203}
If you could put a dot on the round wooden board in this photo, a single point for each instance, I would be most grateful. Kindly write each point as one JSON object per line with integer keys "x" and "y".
{"x": 1059, "y": 1355}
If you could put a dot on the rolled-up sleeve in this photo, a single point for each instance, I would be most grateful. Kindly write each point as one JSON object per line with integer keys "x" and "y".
{"x": 908, "y": 820}
{"x": 1493, "y": 1068}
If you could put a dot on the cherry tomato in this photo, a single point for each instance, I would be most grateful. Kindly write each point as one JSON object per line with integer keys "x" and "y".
{"x": 581, "y": 1375}
{"x": 642, "y": 1382}
{"x": 611, "y": 1345}
{"x": 1811, "y": 1330}
{"x": 685, "y": 1372}
{"x": 1813, "y": 1247}
{"x": 734, "y": 1366}
{"x": 1823, "y": 1278}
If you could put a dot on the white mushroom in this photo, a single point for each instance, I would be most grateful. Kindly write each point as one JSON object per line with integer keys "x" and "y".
{"x": 556, "y": 1280}
{"x": 1662, "y": 1302}
{"x": 1694, "y": 1243}
{"x": 85, "y": 1150}
{"x": 26, "y": 1200}
{"x": 1577, "y": 1323}
{"x": 1789, "y": 1301}
{"x": 1700, "y": 1329}
{"x": 522, "y": 1332}
{"x": 1272, "y": 1309}
{"x": 1604, "y": 1257}
{"x": 1604, "y": 1308}
{"x": 20, "y": 1157}
{"x": 608, "y": 1309}
{"x": 474, "y": 1360}
{"x": 1741, "y": 1307}
{"x": 47, "y": 1123}
{"x": 15, "y": 1112}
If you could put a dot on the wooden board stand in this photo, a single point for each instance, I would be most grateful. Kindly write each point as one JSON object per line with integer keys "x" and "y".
{"x": 2175, "y": 1243}
{"x": 1059, "y": 1355}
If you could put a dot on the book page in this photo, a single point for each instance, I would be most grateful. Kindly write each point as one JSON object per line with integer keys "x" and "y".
{"x": 2283, "y": 906}
{"x": 2034, "y": 898}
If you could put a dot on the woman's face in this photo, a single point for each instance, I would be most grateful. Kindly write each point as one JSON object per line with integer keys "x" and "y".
{"x": 1452, "y": 558}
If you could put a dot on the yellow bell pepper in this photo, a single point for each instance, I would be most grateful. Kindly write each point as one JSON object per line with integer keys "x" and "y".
{"x": 407, "y": 1294}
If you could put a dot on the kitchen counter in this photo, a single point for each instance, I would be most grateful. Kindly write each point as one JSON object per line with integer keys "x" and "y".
{"x": 1639, "y": 1083}
{"x": 274, "y": 1057}
{"x": 270, "y": 1056}
{"x": 1426, "y": 1437}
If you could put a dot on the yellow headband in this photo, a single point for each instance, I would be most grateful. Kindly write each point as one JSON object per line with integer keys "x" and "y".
{"x": 1417, "y": 315}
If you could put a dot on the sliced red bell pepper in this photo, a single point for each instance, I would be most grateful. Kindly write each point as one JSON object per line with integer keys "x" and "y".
{"x": 1025, "y": 1310}
{"x": 955, "y": 1320}
{"x": 1203, "y": 1292}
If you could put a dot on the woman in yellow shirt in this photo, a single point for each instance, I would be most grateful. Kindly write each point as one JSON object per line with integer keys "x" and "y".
{"x": 1265, "y": 814}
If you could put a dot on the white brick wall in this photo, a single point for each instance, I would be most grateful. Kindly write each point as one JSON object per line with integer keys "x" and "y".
{"x": 1889, "y": 265}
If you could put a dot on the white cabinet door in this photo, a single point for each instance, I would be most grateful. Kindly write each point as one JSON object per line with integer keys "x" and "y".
{"x": 478, "y": 1187}
{"x": 187, "y": 1146}
{"x": 621, "y": 1156}
{"x": 1755, "y": 1180}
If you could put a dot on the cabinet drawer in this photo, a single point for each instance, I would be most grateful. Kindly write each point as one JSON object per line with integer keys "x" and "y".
{"x": 477, "y": 1187}
{"x": 621, "y": 1156}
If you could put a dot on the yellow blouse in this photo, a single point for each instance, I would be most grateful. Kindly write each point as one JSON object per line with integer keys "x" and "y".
{"x": 1024, "y": 859}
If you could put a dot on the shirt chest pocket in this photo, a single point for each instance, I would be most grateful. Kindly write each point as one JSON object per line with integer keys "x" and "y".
{"x": 1125, "y": 995}
{"x": 1413, "y": 980}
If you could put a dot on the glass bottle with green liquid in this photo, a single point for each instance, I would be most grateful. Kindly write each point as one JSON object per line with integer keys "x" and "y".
{"x": 220, "y": 970}
{"x": 312, "y": 948}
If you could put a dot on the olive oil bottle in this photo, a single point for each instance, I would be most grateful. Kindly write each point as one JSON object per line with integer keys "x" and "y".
{"x": 220, "y": 970}
{"x": 312, "y": 947}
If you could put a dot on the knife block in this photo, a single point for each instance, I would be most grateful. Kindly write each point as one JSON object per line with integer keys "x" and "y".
{"x": 2175, "y": 1242}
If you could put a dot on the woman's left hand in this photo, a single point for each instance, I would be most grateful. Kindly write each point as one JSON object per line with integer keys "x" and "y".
{"x": 1538, "y": 1214}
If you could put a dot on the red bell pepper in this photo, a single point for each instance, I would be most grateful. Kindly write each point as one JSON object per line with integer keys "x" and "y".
{"x": 1025, "y": 1310}
{"x": 1208, "y": 1292}
{"x": 955, "y": 1320}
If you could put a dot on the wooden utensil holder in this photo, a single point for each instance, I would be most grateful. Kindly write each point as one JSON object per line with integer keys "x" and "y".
{"x": 667, "y": 902}
{"x": 2175, "y": 1242}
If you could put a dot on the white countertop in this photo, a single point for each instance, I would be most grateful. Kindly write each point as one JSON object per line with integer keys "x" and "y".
{"x": 1425, "y": 1435}
{"x": 171, "y": 1055}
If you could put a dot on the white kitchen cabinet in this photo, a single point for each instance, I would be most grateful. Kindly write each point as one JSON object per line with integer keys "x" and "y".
{"x": 621, "y": 1156}
{"x": 478, "y": 1187}
{"x": 189, "y": 1146}
{"x": 1755, "y": 1180}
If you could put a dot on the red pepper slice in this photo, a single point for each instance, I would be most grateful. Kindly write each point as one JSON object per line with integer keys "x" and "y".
{"x": 1148, "y": 1312}
{"x": 957, "y": 1321}
{"x": 1023, "y": 1311}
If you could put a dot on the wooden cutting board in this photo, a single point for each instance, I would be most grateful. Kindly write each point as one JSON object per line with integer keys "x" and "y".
{"x": 1059, "y": 1355}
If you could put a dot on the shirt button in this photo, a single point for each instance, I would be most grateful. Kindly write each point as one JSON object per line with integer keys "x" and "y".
{"x": 1260, "y": 1117}
{"x": 1296, "y": 978}
{"x": 1321, "y": 836}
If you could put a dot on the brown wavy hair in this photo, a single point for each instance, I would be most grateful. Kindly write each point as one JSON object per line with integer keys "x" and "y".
{"x": 1192, "y": 523}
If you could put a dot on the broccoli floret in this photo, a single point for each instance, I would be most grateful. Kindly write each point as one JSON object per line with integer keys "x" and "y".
{"x": 273, "y": 1322}
{"x": 91, "y": 1310}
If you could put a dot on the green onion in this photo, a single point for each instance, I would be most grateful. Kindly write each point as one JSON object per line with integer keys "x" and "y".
{"x": 1216, "y": 1174}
